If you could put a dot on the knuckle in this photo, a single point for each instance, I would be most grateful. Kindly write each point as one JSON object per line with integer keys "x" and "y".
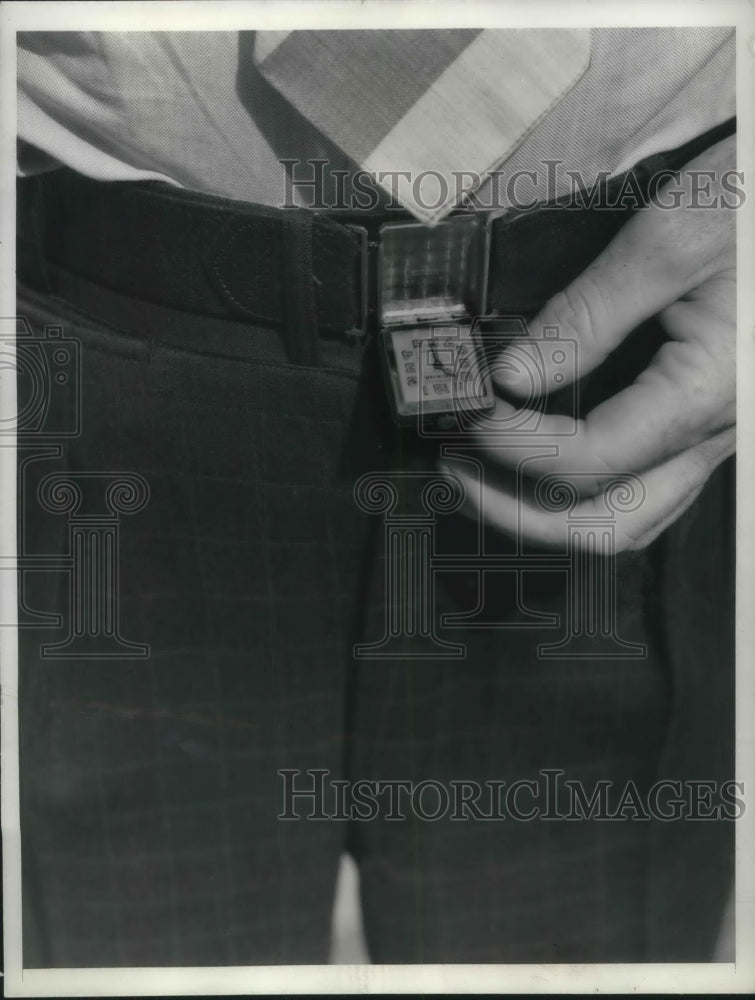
{"x": 582, "y": 309}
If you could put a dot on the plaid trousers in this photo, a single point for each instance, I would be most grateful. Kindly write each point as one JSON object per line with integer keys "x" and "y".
{"x": 150, "y": 786}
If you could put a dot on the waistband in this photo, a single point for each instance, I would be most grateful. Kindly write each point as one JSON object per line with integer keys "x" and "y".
{"x": 306, "y": 275}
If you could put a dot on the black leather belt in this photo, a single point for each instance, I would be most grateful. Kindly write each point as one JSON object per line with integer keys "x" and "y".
{"x": 307, "y": 275}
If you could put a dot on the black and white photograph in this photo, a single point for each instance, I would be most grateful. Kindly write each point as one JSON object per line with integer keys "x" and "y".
{"x": 376, "y": 568}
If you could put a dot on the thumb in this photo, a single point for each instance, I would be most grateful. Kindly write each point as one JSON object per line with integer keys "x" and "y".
{"x": 653, "y": 260}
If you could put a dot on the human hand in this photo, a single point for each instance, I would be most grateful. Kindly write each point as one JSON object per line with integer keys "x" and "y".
{"x": 675, "y": 424}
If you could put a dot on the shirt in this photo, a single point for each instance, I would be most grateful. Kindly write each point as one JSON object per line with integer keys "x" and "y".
{"x": 197, "y": 110}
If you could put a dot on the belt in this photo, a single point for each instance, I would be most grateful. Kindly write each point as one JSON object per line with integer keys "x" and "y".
{"x": 305, "y": 274}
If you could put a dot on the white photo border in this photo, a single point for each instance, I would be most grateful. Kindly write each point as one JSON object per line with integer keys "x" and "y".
{"x": 738, "y": 977}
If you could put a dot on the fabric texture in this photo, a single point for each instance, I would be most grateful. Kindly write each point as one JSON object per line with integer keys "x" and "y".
{"x": 150, "y": 789}
{"x": 418, "y": 101}
{"x": 195, "y": 108}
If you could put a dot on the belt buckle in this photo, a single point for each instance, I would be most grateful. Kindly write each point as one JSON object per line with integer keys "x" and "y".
{"x": 431, "y": 294}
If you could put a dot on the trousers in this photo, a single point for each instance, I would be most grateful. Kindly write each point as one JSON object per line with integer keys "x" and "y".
{"x": 153, "y": 772}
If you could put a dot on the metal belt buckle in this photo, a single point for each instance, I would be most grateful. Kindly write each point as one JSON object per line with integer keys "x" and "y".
{"x": 431, "y": 292}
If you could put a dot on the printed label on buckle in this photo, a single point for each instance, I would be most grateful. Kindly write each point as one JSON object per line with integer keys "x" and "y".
{"x": 432, "y": 371}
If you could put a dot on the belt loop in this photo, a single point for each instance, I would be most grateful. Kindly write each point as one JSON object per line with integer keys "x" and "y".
{"x": 299, "y": 307}
{"x": 32, "y": 227}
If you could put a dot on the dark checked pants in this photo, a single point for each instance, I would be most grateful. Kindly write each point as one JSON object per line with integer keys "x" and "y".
{"x": 150, "y": 786}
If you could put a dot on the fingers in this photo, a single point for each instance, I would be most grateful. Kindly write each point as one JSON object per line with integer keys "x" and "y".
{"x": 656, "y": 258}
{"x": 614, "y": 295}
{"x": 640, "y": 509}
{"x": 672, "y": 426}
{"x": 685, "y": 396}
